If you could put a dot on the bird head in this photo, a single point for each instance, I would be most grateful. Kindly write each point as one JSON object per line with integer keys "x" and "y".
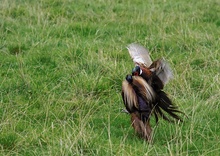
{"x": 129, "y": 78}
{"x": 136, "y": 71}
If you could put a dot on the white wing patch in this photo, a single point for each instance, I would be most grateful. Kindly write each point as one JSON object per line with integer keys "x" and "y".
{"x": 139, "y": 54}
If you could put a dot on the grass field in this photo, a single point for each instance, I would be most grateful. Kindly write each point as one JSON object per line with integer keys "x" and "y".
{"x": 62, "y": 63}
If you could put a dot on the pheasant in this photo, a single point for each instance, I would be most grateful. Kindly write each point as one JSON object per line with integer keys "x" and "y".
{"x": 142, "y": 91}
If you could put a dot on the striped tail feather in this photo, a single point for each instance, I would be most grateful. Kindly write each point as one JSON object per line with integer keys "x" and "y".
{"x": 164, "y": 107}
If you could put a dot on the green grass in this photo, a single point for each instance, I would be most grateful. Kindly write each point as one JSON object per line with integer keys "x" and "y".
{"x": 62, "y": 64}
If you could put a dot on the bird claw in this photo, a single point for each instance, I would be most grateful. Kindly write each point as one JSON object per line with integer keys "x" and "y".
{"x": 124, "y": 111}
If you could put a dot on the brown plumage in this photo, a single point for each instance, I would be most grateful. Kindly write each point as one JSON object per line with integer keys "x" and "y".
{"x": 143, "y": 94}
{"x": 138, "y": 97}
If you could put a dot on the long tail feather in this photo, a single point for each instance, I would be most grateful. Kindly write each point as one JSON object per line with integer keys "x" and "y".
{"x": 165, "y": 106}
{"x": 162, "y": 115}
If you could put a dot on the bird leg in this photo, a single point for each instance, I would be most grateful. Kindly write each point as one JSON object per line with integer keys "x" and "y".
{"x": 142, "y": 129}
{"x": 148, "y": 132}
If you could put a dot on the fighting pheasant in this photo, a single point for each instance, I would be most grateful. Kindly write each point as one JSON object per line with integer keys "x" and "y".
{"x": 142, "y": 91}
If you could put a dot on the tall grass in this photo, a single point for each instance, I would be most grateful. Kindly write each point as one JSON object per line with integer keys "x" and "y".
{"x": 62, "y": 64}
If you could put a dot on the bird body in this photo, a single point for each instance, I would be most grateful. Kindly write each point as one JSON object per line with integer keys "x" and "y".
{"x": 143, "y": 94}
{"x": 138, "y": 96}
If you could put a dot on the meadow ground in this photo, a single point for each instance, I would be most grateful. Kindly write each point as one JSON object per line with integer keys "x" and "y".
{"x": 62, "y": 63}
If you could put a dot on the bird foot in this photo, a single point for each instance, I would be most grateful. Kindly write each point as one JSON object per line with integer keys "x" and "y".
{"x": 124, "y": 111}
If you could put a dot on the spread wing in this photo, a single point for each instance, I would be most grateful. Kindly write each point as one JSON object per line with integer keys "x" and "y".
{"x": 139, "y": 54}
{"x": 162, "y": 70}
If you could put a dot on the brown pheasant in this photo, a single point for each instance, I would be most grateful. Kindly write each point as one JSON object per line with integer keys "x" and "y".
{"x": 142, "y": 91}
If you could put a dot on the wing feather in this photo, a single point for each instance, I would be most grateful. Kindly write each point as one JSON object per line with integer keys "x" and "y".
{"x": 162, "y": 70}
{"x": 139, "y": 54}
